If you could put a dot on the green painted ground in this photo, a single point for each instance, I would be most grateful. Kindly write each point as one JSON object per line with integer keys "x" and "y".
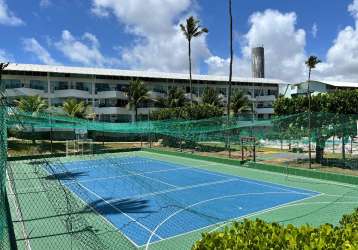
{"x": 50, "y": 212}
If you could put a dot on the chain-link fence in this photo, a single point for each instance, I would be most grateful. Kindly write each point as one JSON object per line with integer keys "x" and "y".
{"x": 51, "y": 209}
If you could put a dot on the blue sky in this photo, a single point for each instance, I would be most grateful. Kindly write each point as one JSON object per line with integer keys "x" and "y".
{"x": 144, "y": 35}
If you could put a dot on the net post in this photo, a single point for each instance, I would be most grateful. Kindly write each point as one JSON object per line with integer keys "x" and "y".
{"x": 242, "y": 150}
{"x": 254, "y": 149}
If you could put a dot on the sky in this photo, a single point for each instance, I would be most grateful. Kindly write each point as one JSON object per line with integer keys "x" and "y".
{"x": 145, "y": 35}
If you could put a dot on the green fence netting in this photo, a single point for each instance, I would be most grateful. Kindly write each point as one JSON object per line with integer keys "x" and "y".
{"x": 6, "y": 231}
{"x": 47, "y": 215}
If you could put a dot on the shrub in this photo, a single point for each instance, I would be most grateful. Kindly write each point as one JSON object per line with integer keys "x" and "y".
{"x": 258, "y": 234}
{"x": 189, "y": 112}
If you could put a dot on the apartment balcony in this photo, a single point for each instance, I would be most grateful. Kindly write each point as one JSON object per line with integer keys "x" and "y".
{"x": 144, "y": 111}
{"x": 112, "y": 94}
{"x": 112, "y": 111}
{"x": 266, "y": 98}
{"x": 155, "y": 94}
{"x": 264, "y": 111}
{"x": 74, "y": 93}
{"x": 15, "y": 92}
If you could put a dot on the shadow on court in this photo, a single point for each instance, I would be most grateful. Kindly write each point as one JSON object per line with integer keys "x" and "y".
{"x": 107, "y": 206}
{"x": 64, "y": 176}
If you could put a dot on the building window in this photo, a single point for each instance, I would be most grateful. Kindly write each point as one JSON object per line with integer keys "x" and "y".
{"x": 102, "y": 87}
{"x": 12, "y": 84}
{"x": 40, "y": 85}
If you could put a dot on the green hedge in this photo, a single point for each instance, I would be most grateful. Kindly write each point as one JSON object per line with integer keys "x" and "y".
{"x": 262, "y": 235}
{"x": 188, "y": 112}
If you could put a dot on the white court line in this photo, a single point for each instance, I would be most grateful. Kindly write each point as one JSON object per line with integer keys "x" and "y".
{"x": 140, "y": 174}
{"x": 128, "y": 175}
{"x": 297, "y": 204}
{"x": 103, "y": 217}
{"x": 256, "y": 182}
{"x": 240, "y": 178}
{"x": 119, "y": 210}
{"x": 178, "y": 189}
{"x": 235, "y": 219}
{"x": 19, "y": 213}
{"x": 95, "y": 166}
{"x": 238, "y": 167}
{"x": 209, "y": 200}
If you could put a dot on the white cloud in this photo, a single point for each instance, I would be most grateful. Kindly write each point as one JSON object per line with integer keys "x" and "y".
{"x": 353, "y": 9}
{"x": 159, "y": 44}
{"x": 342, "y": 58}
{"x": 284, "y": 47}
{"x": 7, "y": 17}
{"x": 33, "y": 46}
{"x": 45, "y": 3}
{"x": 5, "y": 57}
{"x": 314, "y": 30}
{"x": 84, "y": 50}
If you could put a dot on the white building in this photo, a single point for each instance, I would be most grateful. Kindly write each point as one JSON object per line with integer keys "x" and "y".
{"x": 105, "y": 89}
{"x": 317, "y": 87}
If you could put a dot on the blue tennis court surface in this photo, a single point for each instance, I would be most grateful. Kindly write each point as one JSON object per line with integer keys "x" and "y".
{"x": 150, "y": 200}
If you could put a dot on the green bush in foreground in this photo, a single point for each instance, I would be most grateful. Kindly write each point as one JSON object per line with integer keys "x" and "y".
{"x": 262, "y": 235}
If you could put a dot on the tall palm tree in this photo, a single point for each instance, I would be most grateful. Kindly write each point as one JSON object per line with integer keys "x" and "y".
{"x": 311, "y": 63}
{"x": 192, "y": 29}
{"x": 34, "y": 105}
{"x": 137, "y": 94}
{"x": 175, "y": 99}
{"x": 240, "y": 102}
{"x": 211, "y": 96}
{"x": 231, "y": 61}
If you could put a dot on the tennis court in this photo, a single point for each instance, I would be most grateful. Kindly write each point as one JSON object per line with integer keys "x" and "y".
{"x": 151, "y": 200}
{"x": 157, "y": 201}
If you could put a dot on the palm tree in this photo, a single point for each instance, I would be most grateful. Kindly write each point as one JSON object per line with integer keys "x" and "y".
{"x": 137, "y": 94}
{"x": 240, "y": 103}
{"x": 192, "y": 29}
{"x": 2, "y": 88}
{"x": 311, "y": 63}
{"x": 231, "y": 62}
{"x": 175, "y": 99}
{"x": 75, "y": 108}
{"x": 2, "y": 110}
{"x": 211, "y": 96}
{"x": 34, "y": 105}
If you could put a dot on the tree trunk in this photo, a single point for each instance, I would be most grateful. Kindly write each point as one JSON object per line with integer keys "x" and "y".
{"x": 190, "y": 80}
{"x": 309, "y": 118}
{"x": 343, "y": 149}
{"x": 136, "y": 114}
{"x": 33, "y": 135}
{"x": 320, "y": 145}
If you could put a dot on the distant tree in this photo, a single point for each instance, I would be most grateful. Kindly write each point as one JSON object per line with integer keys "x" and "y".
{"x": 175, "y": 98}
{"x": 211, "y": 97}
{"x": 188, "y": 112}
{"x": 137, "y": 94}
{"x": 240, "y": 102}
{"x": 333, "y": 114}
{"x": 192, "y": 29}
{"x": 2, "y": 68}
{"x": 311, "y": 63}
{"x": 33, "y": 105}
